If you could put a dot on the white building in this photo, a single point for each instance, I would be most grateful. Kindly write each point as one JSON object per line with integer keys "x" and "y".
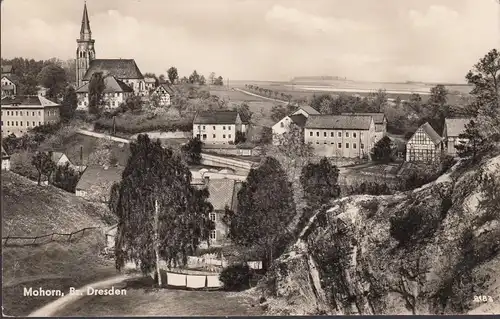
{"x": 283, "y": 125}
{"x": 217, "y": 127}
{"x": 5, "y": 160}
{"x": 165, "y": 93}
{"x": 380, "y": 123}
{"x": 115, "y": 93}
{"x": 453, "y": 127}
{"x": 8, "y": 87}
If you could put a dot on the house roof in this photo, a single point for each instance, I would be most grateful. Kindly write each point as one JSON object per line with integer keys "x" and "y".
{"x": 309, "y": 110}
{"x": 216, "y": 117}
{"x": 6, "y": 68}
{"x": 455, "y": 126}
{"x": 120, "y": 68}
{"x": 56, "y": 156}
{"x": 298, "y": 119}
{"x": 166, "y": 87}
{"x": 27, "y": 101}
{"x": 98, "y": 176}
{"x": 433, "y": 135}
{"x": 343, "y": 122}
{"x": 111, "y": 85}
{"x": 221, "y": 193}
{"x": 378, "y": 118}
{"x": 8, "y": 78}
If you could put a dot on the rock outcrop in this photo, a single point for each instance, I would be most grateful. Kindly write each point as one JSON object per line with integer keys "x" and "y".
{"x": 428, "y": 251}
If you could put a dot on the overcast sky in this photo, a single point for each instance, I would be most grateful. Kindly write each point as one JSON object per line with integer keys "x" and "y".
{"x": 373, "y": 40}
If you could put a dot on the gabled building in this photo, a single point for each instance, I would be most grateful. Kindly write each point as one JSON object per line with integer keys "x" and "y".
{"x": 380, "y": 123}
{"x": 453, "y": 127}
{"x": 282, "y": 125}
{"x": 165, "y": 93}
{"x": 349, "y": 136}
{"x": 125, "y": 70}
{"x": 425, "y": 145}
{"x": 5, "y": 160}
{"x": 24, "y": 112}
{"x": 96, "y": 181}
{"x": 9, "y": 88}
{"x": 115, "y": 93}
{"x": 150, "y": 84}
{"x": 217, "y": 127}
{"x": 6, "y": 70}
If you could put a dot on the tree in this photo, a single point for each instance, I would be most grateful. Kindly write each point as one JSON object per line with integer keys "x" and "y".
{"x": 69, "y": 104}
{"x": 382, "y": 151}
{"x": 202, "y": 80}
{"x": 161, "y": 78}
{"x": 211, "y": 78}
{"x": 320, "y": 182}
{"x": 192, "y": 151}
{"x": 244, "y": 110}
{"x": 102, "y": 154}
{"x": 485, "y": 78}
{"x": 265, "y": 210}
{"x": 194, "y": 78}
{"x": 134, "y": 103}
{"x": 44, "y": 165}
{"x": 96, "y": 89}
{"x": 66, "y": 178}
{"x": 172, "y": 74}
{"x": 278, "y": 112}
{"x": 160, "y": 214}
{"x": 53, "y": 77}
{"x": 219, "y": 81}
{"x": 378, "y": 101}
{"x": 472, "y": 142}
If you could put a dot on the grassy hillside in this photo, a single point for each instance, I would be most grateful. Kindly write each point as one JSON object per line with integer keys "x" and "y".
{"x": 427, "y": 251}
{"x": 30, "y": 210}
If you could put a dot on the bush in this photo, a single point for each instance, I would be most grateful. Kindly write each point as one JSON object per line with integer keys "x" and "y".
{"x": 133, "y": 124}
{"x": 236, "y": 277}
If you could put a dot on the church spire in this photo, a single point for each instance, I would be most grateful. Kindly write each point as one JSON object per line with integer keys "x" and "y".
{"x": 85, "y": 32}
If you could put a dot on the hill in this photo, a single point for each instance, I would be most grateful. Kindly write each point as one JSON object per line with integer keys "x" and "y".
{"x": 427, "y": 251}
{"x": 31, "y": 210}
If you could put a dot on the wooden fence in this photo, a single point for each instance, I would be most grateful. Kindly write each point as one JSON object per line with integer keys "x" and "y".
{"x": 45, "y": 239}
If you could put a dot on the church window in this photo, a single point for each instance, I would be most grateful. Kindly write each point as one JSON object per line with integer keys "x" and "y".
{"x": 84, "y": 54}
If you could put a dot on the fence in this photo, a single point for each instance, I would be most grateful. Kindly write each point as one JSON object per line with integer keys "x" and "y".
{"x": 178, "y": 280}
{"x": 44, "y": 239}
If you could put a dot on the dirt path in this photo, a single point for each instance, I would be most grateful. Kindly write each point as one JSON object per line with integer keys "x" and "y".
{"x": 55, "y": 306}
{"x": 260, "y": 96}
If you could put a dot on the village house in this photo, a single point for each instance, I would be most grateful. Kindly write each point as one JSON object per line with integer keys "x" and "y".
{"x": 125, "y": 70}
{"x": 60, "y": 159}
{"x": 8, "y": 86}
{"x": 283, "y": 125}
{"x": 114, "y": 94}
{"x": 349, "y": 136}
{"x": 453, "y": 127}
{"x": 96, "y": 181}
{"x": 5, "y": 160}
{"x": 21, "y": 113}
{"x": 425, "y": 145}
{"x": 6, "y": 70}
{"x": 380, "y": 123}
{"x": 150, "y": 84}
{"x": 217, "y": 127}
{"x": 165, "y": 92}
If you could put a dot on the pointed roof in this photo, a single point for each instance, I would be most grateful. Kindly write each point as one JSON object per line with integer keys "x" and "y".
{"x": 119, "y": 68}
{"x": 433, "y": 135}
{"x": 308, "y": 109}
{"x": 85, "y": 21}
{"x": 111, "y": 85}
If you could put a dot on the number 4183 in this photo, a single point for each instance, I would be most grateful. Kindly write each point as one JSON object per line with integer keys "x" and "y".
{"x": 483, "y": 298}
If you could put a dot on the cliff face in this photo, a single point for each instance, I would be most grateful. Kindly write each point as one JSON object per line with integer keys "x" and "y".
{"x": 429, "y": 251}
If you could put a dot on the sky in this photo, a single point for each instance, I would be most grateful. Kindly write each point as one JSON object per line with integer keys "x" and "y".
{"x": 366, "y": 40}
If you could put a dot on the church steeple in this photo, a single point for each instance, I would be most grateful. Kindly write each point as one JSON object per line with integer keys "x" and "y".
{"x": 85, "y": 33}
{"x": 85, "y": 51}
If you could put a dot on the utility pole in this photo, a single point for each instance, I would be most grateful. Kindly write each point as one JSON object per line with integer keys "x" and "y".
{"x": 157, "y": 243}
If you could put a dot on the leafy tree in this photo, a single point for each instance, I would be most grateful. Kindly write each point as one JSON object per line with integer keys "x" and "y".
{"x": 134, "y": 103}
{"x": 472, "y": 142}
{"x": 240, "y": 137}
{"x": 96, "y": 89}
{"x": 382, "y": 151}
{"x": 244, "y": 110}
{"x": 53, "y": 77}
{"x": 66, "y": 178}
{"x": 265, "y": 210}
{"x": 378, "y": 101}
{"x": 160, "y": 214}
{"x": 161, "y": 78}
{"x": 172, "y": 74}
{"x": 202, "y": 80}
{"x": 192, "y": 151}
{"x": 194, "y": 78}
{"x": 43, "y": 163}
{"x": 219, "y": 81}
{"x": 69, "y": 104}
{"x": 320, "y": 182}
{"x": 278, "y": 112}
{"x": 211, "y": 78}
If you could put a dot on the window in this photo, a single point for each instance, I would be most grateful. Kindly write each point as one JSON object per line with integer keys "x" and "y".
{"x": 204, "y": 136}
{"x": 39, "y": 123}
{"x": 310, "y": 133}
{"x": 8, "y": 113}
{"x": 8, "y": 123}
{"x": 332, "y": 143}
{"x": 325, "y": 143}
{"x": 212, "y": 216}
{"x": 33, "y": 123}
{"x": 199, "y": 127}
{"x": 346, "y": 145}
{"x": 324, "y": 134}
{"x": 21, "y": 113}
{"x": 223, "y": 135}
{"x": 27, "y": 123}
{"x": 214, "y": 127}
{"x": 346, "y": 134}
{"x": 229, "y": 136}
{"x": 203, "y": 126}
{"x": 354, "y": 145}
{"x": 32, "y": 113}
{"x": 16, "y": 113}
{"x": 317, "y": 142}
{"x": 223, "y": 127}
{"x": 213, "y": 235}
{"x": 362, "y": 146}
{"x": 213, "y": 135}
{"x": 317, "y": 133}
{"x": 339, "y": 134}
{"x": 354, "y": 134}
{"x": 339, "y": 145}
{"x": 229, "y": 128}
{"x": 331, "y": 134}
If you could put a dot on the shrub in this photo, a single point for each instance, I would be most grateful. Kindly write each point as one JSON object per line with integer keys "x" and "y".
{"x": 236, "y": 277}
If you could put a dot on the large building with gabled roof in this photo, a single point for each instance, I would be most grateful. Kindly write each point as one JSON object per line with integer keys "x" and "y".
{"x": 115, "y": 93}
{"x": 425, "y": 145}
{"x": 125, "y": 70}
{"x": 217, "y": 127}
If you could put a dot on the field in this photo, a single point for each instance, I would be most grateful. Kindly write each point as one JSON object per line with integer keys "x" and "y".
{"x": 30, "y": 210}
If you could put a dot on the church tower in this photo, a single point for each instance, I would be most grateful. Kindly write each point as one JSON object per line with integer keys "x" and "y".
{"x": 85, "y": 50}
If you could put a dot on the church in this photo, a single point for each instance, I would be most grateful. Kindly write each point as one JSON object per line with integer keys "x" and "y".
{"x": 122, "y": 70}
